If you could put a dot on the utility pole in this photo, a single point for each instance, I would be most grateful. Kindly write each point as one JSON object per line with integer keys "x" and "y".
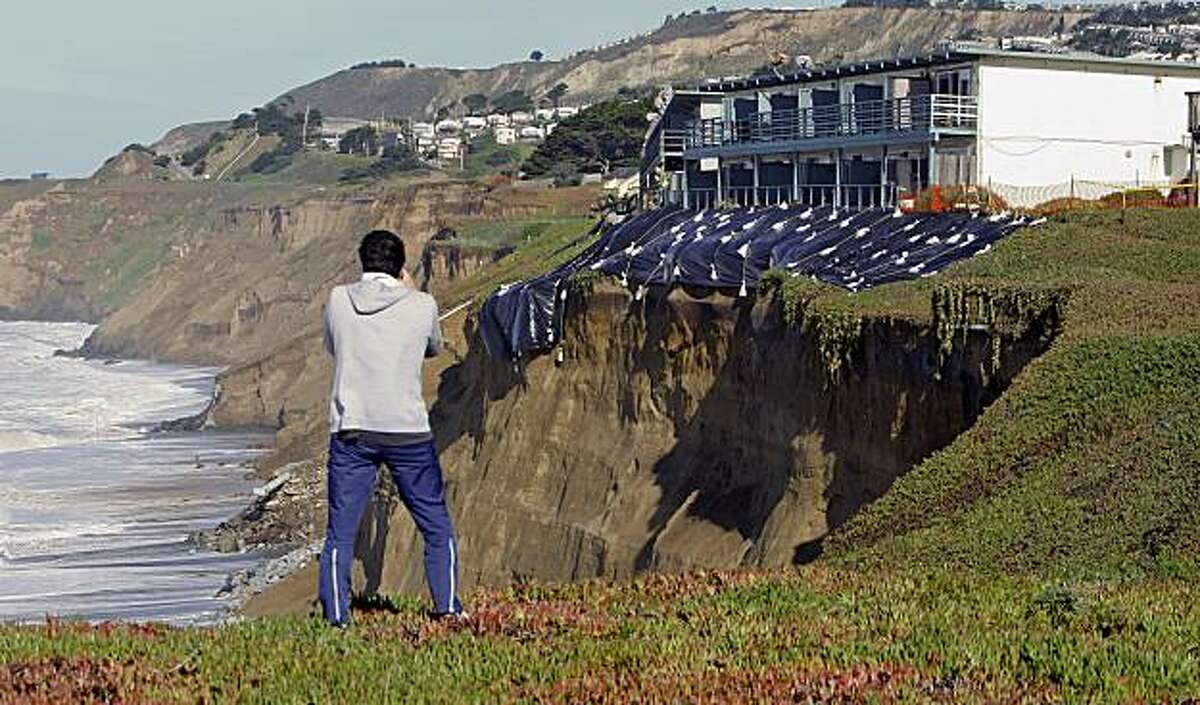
{"x": 304, "y": 132}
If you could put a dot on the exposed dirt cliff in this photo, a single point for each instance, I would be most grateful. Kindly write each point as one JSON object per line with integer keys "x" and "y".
{"x": 259, "y": 277}
{"x": 679, "y": 433}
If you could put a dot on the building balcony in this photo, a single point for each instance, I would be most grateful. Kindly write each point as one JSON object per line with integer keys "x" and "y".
{"x": 850, "y": 196}
{"x": 900, "y": 120}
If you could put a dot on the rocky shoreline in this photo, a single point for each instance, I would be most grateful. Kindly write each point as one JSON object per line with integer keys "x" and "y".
{"x": 284, "y": 523}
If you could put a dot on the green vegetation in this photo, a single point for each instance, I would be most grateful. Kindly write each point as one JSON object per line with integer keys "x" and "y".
{"x": 538, "y": 244}
{"x": 122, "y": 270}
{"x": 511, "y": 102}
{"x": 1087, "y": 465}
{"x": 194, "y": 157}
{"x": 312, "y": 167}
{"x": 475, "y": 103}
{"x": 40, "y": 239}
{"x": 361, "y": 140}
{"x": 385, "y": 64}
{"x": 555, "y": 94}
{"x": 1049, "y": 554}
{"x": 273, "y": 119}
{"x": 493, "y": 234}
{"x": 487, "y": 157}
{"x": 823, "y": 633}
{"x": 605, "y": 136}
{"x": 396, "y": 159}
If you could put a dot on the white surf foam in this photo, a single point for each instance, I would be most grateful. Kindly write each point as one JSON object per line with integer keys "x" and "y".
{"x": 90, "y": 505}
{"x": 12, "y": 441}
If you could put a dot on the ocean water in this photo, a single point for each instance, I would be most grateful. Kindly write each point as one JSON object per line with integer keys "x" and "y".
{"x": 95, "y": 506}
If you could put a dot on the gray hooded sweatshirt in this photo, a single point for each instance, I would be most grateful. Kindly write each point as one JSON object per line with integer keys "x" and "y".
{"x": 379, "y": 332}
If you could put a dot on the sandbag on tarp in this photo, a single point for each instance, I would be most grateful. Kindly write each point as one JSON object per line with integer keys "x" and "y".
{"x": 730, "y": 250}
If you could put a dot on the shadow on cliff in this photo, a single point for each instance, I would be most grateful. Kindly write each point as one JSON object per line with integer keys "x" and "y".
{"x": 777, "y": 424}
{"x": 770, "y": 448}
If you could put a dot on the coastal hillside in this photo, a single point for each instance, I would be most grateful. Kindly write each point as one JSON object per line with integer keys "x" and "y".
{"x": 1061, "y": 513}
{"x": 685, "y": 49}
{"x": 671, "y": 433}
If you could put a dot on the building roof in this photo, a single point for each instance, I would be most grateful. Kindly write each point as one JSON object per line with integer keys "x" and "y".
{"x": 954, "y": 55}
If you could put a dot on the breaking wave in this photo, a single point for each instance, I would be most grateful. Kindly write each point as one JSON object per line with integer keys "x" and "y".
{"x": 12, "y": 441}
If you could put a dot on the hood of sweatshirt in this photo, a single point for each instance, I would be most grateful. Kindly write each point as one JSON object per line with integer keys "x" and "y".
{"x": 372, "y": 295}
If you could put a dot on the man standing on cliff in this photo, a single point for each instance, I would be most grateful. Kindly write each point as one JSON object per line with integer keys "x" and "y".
{"x": 379, "y": 331}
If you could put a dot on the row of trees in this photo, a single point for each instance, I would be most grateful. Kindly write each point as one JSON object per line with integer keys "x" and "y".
{"x": 683, "y": 15}
{"x": 272, "y": 119}
{"x": 365, "y": 140}
{"x": 385, "y": 64}
{"x": 508, "y": 102}
{"x": 290, "y": 127}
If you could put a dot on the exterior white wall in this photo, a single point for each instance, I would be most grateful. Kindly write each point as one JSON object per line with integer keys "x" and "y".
{"x": 710, "y": 109}
{"x": 1041, "y": 126}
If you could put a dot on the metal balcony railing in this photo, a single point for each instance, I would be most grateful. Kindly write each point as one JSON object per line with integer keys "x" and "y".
{"x": 852, "y": 196}
{"x": 663, "y": 142}
{"x": 910, "y": 114}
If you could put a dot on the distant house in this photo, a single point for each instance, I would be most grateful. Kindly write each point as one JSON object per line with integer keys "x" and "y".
{"x": 520, "y": 118}
{"x": 449, "y": 127}
{"x": 565, "y": 112}
{"x": 623, "y": 182}
{"x": 423, "y": 130}
{"x": 497, "y": 119}
{"x": 505, "y": 135}
{"x": 473, "y": 123}
{"x": 449, "y": 149}
{"x": 530, "y": 133}
{"x": 39, "y": 175}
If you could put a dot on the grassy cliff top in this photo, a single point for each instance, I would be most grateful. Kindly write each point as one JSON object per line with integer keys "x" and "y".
{"x": 1049, "y": 554}
{"x": 1088, "y": 464}
{"x": 816, "y": 634}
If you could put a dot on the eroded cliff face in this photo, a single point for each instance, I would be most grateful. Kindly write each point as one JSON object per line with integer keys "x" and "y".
{"x": 255, "y": 284}
{"x": 679, "y": 433}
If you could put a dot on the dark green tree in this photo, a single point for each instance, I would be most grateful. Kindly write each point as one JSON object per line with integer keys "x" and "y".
{"x": 475, "y": 103}
{"x": 512, "y": 102}
{"x": 555, "y": 94}
{"x": 396, "y": 159}
{"x": 536, "y": 55}
{"x": 605, "y": 136}
{"x": 360, "y": 140}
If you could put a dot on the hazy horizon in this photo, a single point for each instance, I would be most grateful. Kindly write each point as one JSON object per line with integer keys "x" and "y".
{"x": 98, "y": 76}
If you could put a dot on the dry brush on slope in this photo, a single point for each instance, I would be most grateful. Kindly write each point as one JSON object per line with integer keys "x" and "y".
{"x": 685, "y": 50}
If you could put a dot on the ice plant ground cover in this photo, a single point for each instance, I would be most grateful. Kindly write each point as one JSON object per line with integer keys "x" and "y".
{"x": 1048, "y": 554}
{"x": 822, "y": 632}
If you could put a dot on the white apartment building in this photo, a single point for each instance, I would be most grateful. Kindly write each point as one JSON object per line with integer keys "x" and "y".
{"x": 864, "y": 133}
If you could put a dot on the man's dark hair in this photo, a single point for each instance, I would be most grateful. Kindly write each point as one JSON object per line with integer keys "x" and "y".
{"x": 382, "y": 251}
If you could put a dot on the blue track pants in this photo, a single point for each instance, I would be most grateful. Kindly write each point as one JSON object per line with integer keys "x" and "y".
{"x": 418, "y": 477}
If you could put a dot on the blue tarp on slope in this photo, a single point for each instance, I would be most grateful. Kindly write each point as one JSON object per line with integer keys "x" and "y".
{"x": 731, "y": 249}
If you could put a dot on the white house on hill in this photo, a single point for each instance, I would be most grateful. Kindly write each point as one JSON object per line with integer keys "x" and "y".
{"x": 505, "y": 135}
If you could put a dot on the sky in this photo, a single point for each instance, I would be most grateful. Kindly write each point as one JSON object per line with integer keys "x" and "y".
{"x": 83, "y": 78}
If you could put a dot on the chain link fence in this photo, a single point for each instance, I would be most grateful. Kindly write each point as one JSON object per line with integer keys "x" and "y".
{"x": 1076, "y": 194}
